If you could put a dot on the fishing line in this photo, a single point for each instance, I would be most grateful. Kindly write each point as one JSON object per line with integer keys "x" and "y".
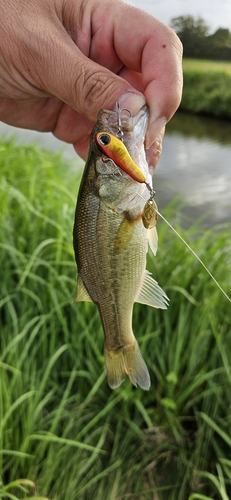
{"x": 195, "y": 255}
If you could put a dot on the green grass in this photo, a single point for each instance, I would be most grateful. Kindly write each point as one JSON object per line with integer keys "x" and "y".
{"x": 206, "y": 65}
{"x": 64, "y": 435}
{"x": 207, "y": 88}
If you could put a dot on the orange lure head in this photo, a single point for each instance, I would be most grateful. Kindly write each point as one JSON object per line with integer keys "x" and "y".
{"x": 115, "y": 149}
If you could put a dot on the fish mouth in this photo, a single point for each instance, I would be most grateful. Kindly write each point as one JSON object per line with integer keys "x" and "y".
{"x": 130, "y": 129}
{"x": 109, "y": 120}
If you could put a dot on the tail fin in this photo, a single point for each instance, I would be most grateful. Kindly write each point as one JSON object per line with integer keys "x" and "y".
{"x": 126, "y": 361}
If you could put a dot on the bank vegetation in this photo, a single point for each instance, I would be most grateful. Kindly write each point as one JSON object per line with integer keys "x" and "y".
{"x": 207, "y": 88}
{"x": 63, "y": 433}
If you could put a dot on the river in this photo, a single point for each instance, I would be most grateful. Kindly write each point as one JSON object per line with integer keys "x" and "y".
{"x": 195, "y": 165}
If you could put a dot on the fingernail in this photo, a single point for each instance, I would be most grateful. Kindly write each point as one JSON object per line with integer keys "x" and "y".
{"x": 132, "y": 101}
{"x": 154, "y": 130}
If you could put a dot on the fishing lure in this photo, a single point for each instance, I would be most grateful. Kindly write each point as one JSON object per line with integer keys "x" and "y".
{"x": 114, "y": 148}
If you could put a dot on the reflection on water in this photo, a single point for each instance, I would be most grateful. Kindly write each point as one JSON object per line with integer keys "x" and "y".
{"x": 201, "y": 127}
{"x": 196, "y": 164}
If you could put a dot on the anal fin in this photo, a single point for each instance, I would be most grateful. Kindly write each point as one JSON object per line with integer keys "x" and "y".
{"x": 151, "y": 293}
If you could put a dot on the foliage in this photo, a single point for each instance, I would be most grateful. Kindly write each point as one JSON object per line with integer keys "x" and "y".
{"x": 192, "y": 33}
{"x": 64, "y": 434}
{"x": 198, "y": 43}
{"x": 221, "y": 38}
{"x": 207, "y": 92}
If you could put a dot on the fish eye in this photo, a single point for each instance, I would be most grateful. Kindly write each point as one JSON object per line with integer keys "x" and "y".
{"x": 104, "y": 139}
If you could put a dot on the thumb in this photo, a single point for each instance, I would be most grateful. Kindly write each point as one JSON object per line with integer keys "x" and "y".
{"x": 77, "y": 80}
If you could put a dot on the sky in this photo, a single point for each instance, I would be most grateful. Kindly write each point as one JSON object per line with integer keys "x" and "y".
{"x": 216, "y": 13}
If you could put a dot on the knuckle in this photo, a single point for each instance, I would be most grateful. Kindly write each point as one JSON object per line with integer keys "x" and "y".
{"x": 91, "y": 89}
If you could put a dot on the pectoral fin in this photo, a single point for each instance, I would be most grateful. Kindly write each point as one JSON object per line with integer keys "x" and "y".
{"x": 153, "y": 239}
{"x": 82, "y": 294}
{"x": 151, "y": 293}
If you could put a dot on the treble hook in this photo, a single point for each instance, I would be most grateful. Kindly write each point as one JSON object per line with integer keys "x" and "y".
{"x": 106, "y": 159}
{"x": 118, "y": 112}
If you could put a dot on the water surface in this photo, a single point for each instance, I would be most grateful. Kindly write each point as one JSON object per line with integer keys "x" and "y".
{"x": 196, "y": 165}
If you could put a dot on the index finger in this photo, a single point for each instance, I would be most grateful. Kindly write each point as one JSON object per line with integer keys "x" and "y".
{"x": 152, "y": 49}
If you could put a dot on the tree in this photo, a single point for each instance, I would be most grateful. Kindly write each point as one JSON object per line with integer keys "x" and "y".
{"x": 193, "y": 33}
{"x": 198, "y": 43}
{"x": 189, "y": 26}
{"x": 221, "y": 38}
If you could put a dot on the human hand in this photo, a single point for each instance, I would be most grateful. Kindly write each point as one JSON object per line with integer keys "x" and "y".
{"x": 63, "y": 60}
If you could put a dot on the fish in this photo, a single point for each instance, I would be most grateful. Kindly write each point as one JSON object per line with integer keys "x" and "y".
{"x": 115, "y": 222}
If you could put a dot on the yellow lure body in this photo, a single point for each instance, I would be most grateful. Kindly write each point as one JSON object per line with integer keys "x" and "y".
{"x": 115, "y": 149}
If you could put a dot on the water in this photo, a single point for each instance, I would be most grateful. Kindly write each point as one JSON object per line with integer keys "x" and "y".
{"x": 45, "y": 140}
{"x": 195, "y": 165}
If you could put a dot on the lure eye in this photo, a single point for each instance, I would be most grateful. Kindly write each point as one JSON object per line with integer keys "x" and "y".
{"x": 104, "y": 139}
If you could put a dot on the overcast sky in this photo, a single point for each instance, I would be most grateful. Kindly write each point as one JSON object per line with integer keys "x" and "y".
{"x": 216, "y": 13}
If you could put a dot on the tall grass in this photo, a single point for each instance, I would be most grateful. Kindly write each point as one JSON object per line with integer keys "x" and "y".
{"x": 64, "y": 435}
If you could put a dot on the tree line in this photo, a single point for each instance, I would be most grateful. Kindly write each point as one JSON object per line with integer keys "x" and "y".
{"x": 197, "y": 41}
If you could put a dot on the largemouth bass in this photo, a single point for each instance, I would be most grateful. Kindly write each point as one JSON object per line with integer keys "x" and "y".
{"x": 111, "y": 236}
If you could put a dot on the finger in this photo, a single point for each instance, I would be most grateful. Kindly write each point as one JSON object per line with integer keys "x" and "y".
{"x": 162, "y": 90}
{"x": 89, "y": 86}
{"x": 132, "y": 77}
{"x": 31, "y": 113}
{"x": 81, "y": 147}
{"x": 156, "y": 53}
{"x": 49, "y": 115}
{"x": 151, "y": 54}
{"x": 74, "y": 128}
{"x": 152, "y": 59}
